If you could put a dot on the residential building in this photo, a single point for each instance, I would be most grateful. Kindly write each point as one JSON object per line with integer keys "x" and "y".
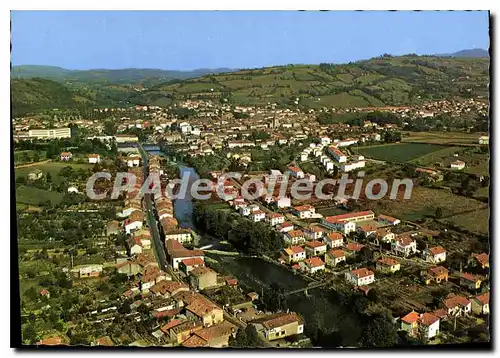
{"x": 470, "y": 281}
{"x": 296, "y": 173}
{"x": 285, "y": 227}
{"x": 334, "y": 239}
{"x": 480, "y": 304}
{"x": 436, "y": 274}
{"x": 190, "y": 264}
{"x": 388, "y": 265}
{"x": 346, "y": 223}
{"x": 257, "y": 215}
{"x": 404, "y": 246}
{"x": 304, "y": 211}
{"x": 435, "y": 254}
{"x": 294, "y": 254}
{"x": 275, "y": 218}
{"x": 481, "y": 260}
{"x": 458, "y": 165}
{"x": 312, "y": 265}
{"x": 279, "y": 325}
{"x": 314, "y": 233}
{"x": 294, "y": 237}
{"x": 203, "y": 277}
{"x": 360, "y": 277}
{"x": 334, "y": 257}
{"x": 94, "y": 158}
{"x": 201, "y": 308}
{"x": 457, "y": 305}
{"x": 315, "y": 248}
{"x": 337, "y": 154}
{"x": 65, "y": 156}
{"x": 389, "y": 220}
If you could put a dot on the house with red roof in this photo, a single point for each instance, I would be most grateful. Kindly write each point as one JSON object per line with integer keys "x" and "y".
{"x": 480, "y": 304}
{"x": 360, "y": 277}
{"x": 295, "y": 172}
{"x": 294, "y": 254}
{"x": 315, "y": 248}
{"x": 294, "y": 237}
{"x": 334, "y": 239}
{"x": 435, "y": 254}
{"x": 304, "y": 211}
{"x": 457, "y": 305}
{"x": 333, "y": 257}
{"x": 312, "y": 265}
{"x": 472, "y": 282}
{"x": 404, "y": 245}
{"x": 481, "y": 260}
{"x": 275, "y": 218}
{"x": 426, "y": 324}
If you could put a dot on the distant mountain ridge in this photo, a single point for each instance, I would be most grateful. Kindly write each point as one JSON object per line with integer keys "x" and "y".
{"x": 469, "y": 53}
{"x": 106, "y": 76}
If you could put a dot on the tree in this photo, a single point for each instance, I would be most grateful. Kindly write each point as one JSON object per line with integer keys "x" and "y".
{"x": 246, "y": 338}
{"x": 379, "y": 332}
{"x": 439, "y": 213}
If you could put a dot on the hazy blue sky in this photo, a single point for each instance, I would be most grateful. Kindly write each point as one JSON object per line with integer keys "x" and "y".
{"x": 189, "y": 40}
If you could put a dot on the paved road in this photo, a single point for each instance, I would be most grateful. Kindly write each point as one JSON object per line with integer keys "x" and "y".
{"x": 153, "y": 224}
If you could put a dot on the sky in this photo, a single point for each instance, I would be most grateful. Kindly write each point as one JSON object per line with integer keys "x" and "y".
{"x": 186, "y": 40}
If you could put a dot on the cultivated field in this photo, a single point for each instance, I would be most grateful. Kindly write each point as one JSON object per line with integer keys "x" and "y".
{"x": 423, "y": 203}
{"x": 442, "y": 137}
{"x": 403, "y": 152}
{"x": 476, "y": 221}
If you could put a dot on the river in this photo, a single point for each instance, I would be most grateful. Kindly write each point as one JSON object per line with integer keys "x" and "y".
{"x": 320, "y": 306}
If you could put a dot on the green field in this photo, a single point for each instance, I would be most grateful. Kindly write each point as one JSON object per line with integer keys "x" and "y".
{"x": 35, "y": 196}
{"x": 403, "y": 152}
{"x": 53, "y": 168}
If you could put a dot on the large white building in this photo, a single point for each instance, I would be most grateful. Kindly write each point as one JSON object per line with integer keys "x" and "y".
{"x": 50, "y": 133}
{"x": 337, "y": 154}
{"x": 346, "y": 223}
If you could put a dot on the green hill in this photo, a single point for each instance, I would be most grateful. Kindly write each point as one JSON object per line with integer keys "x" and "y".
{"x": 37, "y": 93}
{"x": 104, "y": 76}
{"x": 376, "y": 82}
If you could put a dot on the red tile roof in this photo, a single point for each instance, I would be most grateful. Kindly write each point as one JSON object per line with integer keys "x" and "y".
{"x": 354, "y": 246}
{"x": 428, "y": 319}
{"x": 436, "y": 250}
{"x": 336, "y": 253}
{"x": 411, "y": 317}
{"x": 484, "y": 298}
{"x": 362, "y": 272}
{"x": 455, "y": 301}
{"x": 314, "y": 262}
{"x": 315, "y": 244}
{"x": 349, "y": 216}
{"x": 194, "y": 341}
{"x": 335, "y": 236}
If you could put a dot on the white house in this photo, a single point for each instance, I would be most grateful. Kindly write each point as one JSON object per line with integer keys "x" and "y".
{"x": 435, "y": 254}
{"x": 94, "y": 158}
{"x": 296, "y": 172}
{"x": 344, "y": 227}
{"x": 294, "y": 237}
{"x": 388, "y": 220}
{"x": 257, "y": 215}
{"x": 73, "y": 189}
{"x": 457, "y": 305}
{"x": 131, "y": 225}
{"x": 304, "y": 211}
{"x": 275, "y": 218}
{"x": 133, "y": 161}
{"x": 294, "y": 254}
{"x": 404, "y": 246}
{"x": 315, "y": 248}
{"x": 334, "y": 239}
{"x": 312, "y": 265}
{"x": 360, "y": 277}
{"x": 314, "y": 233}
{"x": 458, "y": 165}
{"x": 283, "y": 203}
